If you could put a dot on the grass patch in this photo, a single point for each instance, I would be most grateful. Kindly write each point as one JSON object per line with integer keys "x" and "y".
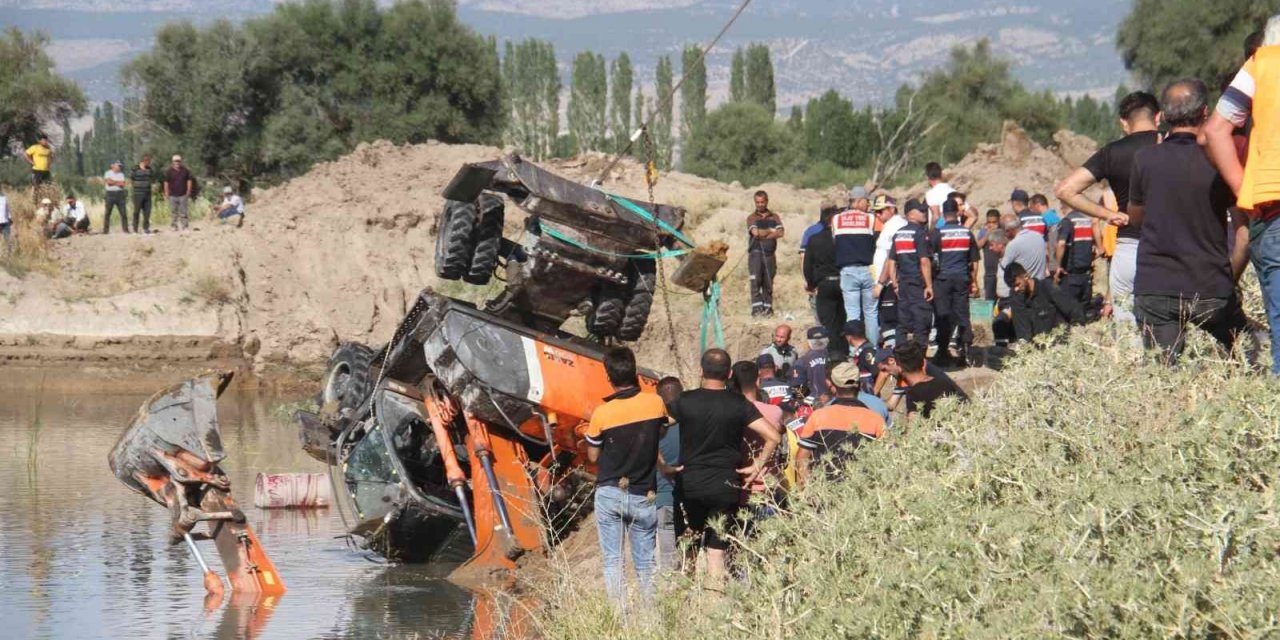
{"x": 1087, "y": 493}
{"x": 211, "y": 289}
{"x": 28, "y": 250}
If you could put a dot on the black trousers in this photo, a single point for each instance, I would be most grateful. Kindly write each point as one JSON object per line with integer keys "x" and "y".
{"x": 829, "y": 300}
{"x": 888, "y": 315}
{"x": 1080, "y": 286}
{"x": 115, "y": 200}
{"x": 762, "y": 266}
{"x": 989, "y": 286}
{"x": 1002, "y": 325}
{"x": 951, "y": 306}
{"x": 142, "y": 206}
{"x": 1164, "y": 319}
{"x": 915, "y": 314}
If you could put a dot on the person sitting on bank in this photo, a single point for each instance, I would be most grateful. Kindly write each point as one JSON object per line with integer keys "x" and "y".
{"x": 1038, "y": 305}
{"x": 232, "y": 206}
{"x": 75, "y": 215}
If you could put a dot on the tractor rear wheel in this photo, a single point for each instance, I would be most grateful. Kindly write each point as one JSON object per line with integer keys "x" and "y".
{"x": 455, "y": 245}
{"x": 606, "y": 314}
{"x": 349, "y": 380}
{"x": 486, "y": 239}
{"x": 644, "y": 281}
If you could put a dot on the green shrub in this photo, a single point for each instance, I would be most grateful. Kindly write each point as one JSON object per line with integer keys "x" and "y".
{"x": 1086, "y": 493}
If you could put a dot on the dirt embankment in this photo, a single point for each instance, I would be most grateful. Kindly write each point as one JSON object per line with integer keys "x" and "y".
{"x": 340, "y": 253}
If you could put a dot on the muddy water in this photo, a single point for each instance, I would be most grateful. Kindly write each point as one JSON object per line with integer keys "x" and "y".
{"x": 83, "y": 557}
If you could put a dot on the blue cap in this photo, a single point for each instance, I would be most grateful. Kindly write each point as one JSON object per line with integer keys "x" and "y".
{"x": 1018, "y": 195}
{"x": 764, "y": 361}
{"x": 883, "y": 354}
{"x": 816, "y": 333}
{"x": 855, "y": 328}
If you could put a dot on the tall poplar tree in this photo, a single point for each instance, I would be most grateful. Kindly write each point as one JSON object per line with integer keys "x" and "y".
{"x": 760, "y": 87}
{"x": 693, "y": 93}
{"x": 664, "y": 120}
{"x": 621, "y": 98}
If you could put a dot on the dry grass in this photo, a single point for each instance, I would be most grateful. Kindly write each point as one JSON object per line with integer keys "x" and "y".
{"x": 212, "y": 290}
{"x": 30, "y": 250}
{"x": 1087, "y": 493}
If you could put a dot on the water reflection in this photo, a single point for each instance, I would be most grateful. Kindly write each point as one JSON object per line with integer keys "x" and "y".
{"x": 83, "y": 557}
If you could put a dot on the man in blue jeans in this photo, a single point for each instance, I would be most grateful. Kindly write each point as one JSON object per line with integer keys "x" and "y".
{"x": 623, "y": 442}
{"x": 1245, "y": 123}
{"x": 854, "y": 233}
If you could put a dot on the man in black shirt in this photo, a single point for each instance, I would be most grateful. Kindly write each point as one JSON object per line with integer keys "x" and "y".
{"x": 141, "y": 179}
{"x": 924, "y": 390}
{"x": 1180, "y": 201}
{"x": 1113, "y": 163}
{"x": 1038, "y": 306}
{"x": 713, "y": 421}
{"x": 822, "y": 277}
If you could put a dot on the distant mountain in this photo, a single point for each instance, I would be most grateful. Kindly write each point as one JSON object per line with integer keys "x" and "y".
{"x": 863, "y": 48}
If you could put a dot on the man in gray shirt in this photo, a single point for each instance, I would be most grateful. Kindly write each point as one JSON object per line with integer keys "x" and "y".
{"x": 115, "y": 196}
{"x": 1026, "y": 247}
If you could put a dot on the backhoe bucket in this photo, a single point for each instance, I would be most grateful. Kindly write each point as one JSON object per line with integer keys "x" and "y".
{"x": 170, "y": 454}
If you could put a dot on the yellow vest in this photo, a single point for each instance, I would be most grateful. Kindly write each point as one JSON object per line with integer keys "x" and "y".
{"x": 1262, "y": 169}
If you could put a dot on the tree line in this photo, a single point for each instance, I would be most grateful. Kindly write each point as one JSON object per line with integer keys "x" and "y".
{"x": 266, "y": 99}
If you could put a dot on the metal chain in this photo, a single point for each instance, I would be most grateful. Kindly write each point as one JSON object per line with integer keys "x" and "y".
{"x": 650, "y": 179}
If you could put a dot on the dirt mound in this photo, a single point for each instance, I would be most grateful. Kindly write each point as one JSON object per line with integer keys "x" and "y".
{"x": 992, "y": 171}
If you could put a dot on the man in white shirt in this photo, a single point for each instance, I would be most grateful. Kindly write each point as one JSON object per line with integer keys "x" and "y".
{"x": 891, "y": 222}
{"x": 6, "y": 223}
{"x": 938, "y": 192}
{"x": 232, "y": 206}
{"x": 115, "y": 197}
{"x": 76, "y": 215}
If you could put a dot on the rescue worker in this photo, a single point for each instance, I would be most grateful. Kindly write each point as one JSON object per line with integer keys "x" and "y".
{"x": 1076, "y": 250}
{"x": 1019, "y": 202}
{"x": 833, "y": 432}
{"x": 861, "y": 353}
{"x": 854, "y": 235}
{"x": 912, "y": 274}
{"x": 764, "y": 229}
{"x": 957, "y": 281}
{"x": 776, "y": 390}
{"x": 811, "y": 368}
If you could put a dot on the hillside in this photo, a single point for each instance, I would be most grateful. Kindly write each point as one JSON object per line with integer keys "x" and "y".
{"x": 340, "y": 253}
{"x": 863, "y": 48}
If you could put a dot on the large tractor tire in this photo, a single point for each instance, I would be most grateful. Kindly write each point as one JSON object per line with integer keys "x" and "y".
{"x": 349, "y": 380}
{"x": 606, "y": 315}
{"x": 644, "y": 282}
{"x": 455, "y": 244}
{"x": 486, "y": 238}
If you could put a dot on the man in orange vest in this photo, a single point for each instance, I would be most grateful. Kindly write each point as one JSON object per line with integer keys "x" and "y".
{"x": 1255, "y": 93}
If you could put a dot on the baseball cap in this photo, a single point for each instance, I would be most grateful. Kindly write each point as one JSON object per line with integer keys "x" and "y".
{"x": 765, "y": 361}
{"x": 845, "y": 375}
{"x": 949, "y": 206}
{"x": 228, "y": 190}
{"x": 816, "y": 333}
{"x": 46, "y": 201}
{"x": 857, "y": 192}
{"x": 883, "y": 202}
{"x": 854, "y": 328}
{"x": 177, "y": 158}
{"x": 915, "y": 205}
{"x": 116, "y": 162}
{"x": 884, "y": 354}
{"x": 1018, "y": 195}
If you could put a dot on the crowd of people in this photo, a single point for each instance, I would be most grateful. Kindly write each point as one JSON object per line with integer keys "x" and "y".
{"x": 1191, "y": 195}
{"x": 138, "y": 187}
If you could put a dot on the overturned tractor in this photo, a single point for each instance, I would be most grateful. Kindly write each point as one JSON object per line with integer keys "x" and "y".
{"x": 463, "y": 435}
